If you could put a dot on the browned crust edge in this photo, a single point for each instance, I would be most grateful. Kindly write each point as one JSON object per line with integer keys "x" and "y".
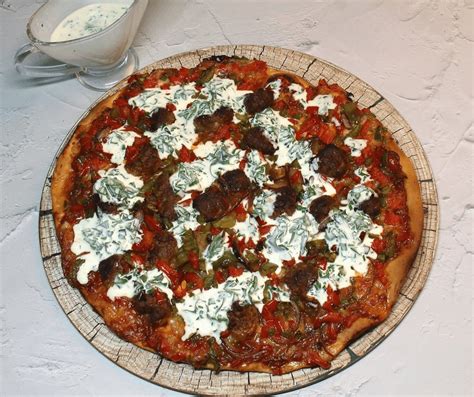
{"x": 396, "y": 270}
{"x": 399, "y": 267}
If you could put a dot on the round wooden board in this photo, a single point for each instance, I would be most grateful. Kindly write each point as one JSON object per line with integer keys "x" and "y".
{"x": 183, "y": 377}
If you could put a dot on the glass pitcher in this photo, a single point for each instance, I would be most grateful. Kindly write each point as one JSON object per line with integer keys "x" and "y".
{"x": 99, "y": 60}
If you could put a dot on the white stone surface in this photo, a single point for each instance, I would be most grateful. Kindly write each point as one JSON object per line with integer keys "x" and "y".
{"x": 418, "y": 54}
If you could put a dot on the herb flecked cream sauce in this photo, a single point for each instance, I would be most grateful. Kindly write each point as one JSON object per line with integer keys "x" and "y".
{"x": 88, "y": 20}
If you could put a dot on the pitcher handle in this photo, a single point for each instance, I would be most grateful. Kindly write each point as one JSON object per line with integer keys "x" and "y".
{"x": 45, "y": 66}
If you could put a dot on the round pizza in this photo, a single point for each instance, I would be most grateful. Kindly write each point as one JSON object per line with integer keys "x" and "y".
{"x": 235, "y": 217}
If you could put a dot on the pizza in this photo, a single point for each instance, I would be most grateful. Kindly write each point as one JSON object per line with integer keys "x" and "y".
{"x": 236, "y": 217}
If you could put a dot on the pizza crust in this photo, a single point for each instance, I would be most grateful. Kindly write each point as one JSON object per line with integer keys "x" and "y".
{"x": 398, "y": 268}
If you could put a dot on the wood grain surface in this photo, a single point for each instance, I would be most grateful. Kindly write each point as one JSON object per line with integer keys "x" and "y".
{"x": 183, "y": 377}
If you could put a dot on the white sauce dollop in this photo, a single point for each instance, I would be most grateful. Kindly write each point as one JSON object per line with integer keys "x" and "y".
{"x": 263, "y": 205}
{"x": 215, "y": 250}
{"x": 216, "y": 93}
{"x": 137, "y": 281}
{"x": 205, "y": 312}
{"x": 287, "y": 240}
{"x": 186, "y": 219}
{"x": 248, "y": 229}
{"x": 117, "y": 143}
{"x": 117, "y": 186}
{"x": 255, "y": 168}
{"x": 101, "y": 236}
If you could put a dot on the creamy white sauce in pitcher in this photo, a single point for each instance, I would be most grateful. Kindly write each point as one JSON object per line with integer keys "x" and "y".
{"x": 88, "y": 20}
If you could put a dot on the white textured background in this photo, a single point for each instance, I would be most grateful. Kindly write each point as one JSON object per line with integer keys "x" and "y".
{"x": 417, "y": 53}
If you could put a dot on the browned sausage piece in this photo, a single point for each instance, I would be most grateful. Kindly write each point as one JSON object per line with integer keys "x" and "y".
{"x": 161, "y": 117}
{"x": 110, "y": 267}
{"x": 165, "y": 246}
{"x": 371, "y": 206}
{"x": 243, "y": 321}
{"x": 106, "y": 266}
{"x": 224, "y": 115}
{"x": 161, "y": 198}
{"x": 255, "y": 138}
{"x": 300, "y": 278}
{"x": 332, "y": 161}
{"x": 212, "y": 204}
{"x": 276, "y": 173}
{"x": 223, "y": 195}
{"x": 258, "y": 100}
{"x": 206, "y": 125}
{"x": 285, "y": 201}
{"x": 236, "y": 186}
{"x": 156, "y": 311}
{"x": 321, "y": 206}
{"x": 235, "y": 181}
{"x": 146, "y": 163}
